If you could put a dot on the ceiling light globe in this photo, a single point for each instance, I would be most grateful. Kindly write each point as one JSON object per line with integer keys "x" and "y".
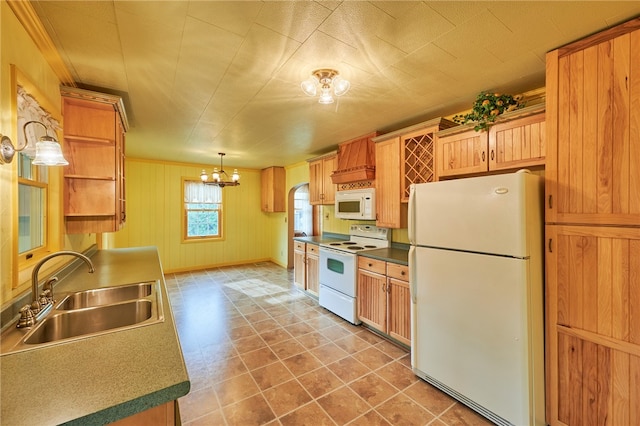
{"x": 340, "y": 86}
{"x": 309, "y": 87}
{"x": 204, "y": 176}
{"x": 325, "y": 97}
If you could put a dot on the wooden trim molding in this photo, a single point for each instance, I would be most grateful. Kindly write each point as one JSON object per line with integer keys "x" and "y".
{"x": 599, "y": 37}
{"x": 29, "y": 19}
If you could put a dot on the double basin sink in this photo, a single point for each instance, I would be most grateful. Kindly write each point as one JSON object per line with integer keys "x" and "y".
{"x": 97, "y": 311}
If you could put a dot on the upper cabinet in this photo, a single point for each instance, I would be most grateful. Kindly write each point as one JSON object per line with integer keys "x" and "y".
{"x": 322, "y": 190}
{"x": 94, "y": 181}
{"x": 593, "y": 121}
{"x": 403, "y": 157}
{"x": 516, "y": 140}
{"x": 272, "y": 180}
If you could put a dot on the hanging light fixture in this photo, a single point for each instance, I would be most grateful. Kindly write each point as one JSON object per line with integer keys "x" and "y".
{"x": 48, "y": 151}
{"x": 220, "y": 177}
{"x": 328, "y": 79}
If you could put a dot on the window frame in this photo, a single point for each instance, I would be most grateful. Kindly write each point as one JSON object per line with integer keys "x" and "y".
{"x": 185, "y": 222}
{"x": 52, "y": 208}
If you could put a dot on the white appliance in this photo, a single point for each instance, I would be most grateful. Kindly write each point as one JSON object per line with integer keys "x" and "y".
{"x": 476, "y": 278}
{"x": 339, "y": 266}
{"x": 356, "y": 204}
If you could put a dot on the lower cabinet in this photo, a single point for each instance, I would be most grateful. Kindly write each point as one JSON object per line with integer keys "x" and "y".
{"x": 383, "y": 297}
{"x": 313, "y": 274}
{"x": 305, "y": 267}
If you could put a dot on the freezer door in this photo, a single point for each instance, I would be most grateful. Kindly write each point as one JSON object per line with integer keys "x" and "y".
{"x": 490, "y": 214}
{"x": 477, "y": 328}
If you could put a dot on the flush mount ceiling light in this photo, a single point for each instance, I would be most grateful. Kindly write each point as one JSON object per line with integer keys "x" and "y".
{"x": 328, "y": 79}
{"x": 48, "y": 151}
{"x": 220, "y": 177}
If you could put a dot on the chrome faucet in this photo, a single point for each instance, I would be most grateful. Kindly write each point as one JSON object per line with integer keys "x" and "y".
{"x": 28, "y": 312}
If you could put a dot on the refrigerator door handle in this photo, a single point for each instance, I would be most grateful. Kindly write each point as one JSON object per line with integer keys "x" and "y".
{"x": 411, "y": 215}
{"x": 412, "y": 274}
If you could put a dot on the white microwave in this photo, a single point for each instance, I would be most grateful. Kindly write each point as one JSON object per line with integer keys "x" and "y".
{"x": 356, "y": 204}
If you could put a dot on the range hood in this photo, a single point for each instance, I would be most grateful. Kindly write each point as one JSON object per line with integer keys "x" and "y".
{"x": 356, "y": 160}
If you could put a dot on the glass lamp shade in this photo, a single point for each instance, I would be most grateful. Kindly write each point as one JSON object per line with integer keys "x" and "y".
{"x": 309, "y": 86}
{"x": 325, "y": 97}
{"x": 204, "y": 176}
{"x": 340, "y": 86}
{"x": 49, "y": 153}
{"x": 235, "y": 176}
{"x": 215, "y": 175}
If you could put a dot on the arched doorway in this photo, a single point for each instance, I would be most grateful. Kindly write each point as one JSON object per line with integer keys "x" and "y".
{"x": 300, "y": 217}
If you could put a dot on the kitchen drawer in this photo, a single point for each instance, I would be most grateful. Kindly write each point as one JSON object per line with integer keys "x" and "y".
{"x": 298, "y": 245}
{"x": 397, "y": 271}
{"x": 372, "y": 265}
{"x": 313, "y": 248}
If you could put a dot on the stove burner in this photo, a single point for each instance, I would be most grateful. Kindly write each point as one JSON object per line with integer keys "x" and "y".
{"x": 348, "y": 243}
{"x": 370, "y": 246}
{"x": 335, "y": 244}
{"x": 355, "y": 248}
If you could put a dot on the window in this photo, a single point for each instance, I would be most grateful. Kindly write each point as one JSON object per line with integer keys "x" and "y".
{"x": 202, "y": 211}
{"x": 302, "y": 212}
{"x": 32, "y": 180}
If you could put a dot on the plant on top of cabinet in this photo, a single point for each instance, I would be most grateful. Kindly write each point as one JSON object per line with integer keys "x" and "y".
{"x": 487, "y": 107}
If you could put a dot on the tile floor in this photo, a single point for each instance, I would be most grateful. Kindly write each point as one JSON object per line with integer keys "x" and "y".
{"x": 260, "y": 351}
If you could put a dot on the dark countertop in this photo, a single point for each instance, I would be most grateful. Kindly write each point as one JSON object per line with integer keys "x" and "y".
{"x": 391, "y": 254}
{"x": 397, "y": 253}
{"x": 98, "y": 379}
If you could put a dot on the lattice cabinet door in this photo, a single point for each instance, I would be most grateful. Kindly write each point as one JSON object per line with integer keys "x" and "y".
{"x": 418, "y": 163}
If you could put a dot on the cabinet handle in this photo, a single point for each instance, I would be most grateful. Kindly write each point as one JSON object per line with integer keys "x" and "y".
{"x": 550, "y": 201}
{"x": 402, "y": 273}
{"x": 482, "y": 155}
{"x": 550, "y": 246}
{"x": 384, "y": 287}
{"x": 370, "y": 265}
{"x": 492, "y": 155}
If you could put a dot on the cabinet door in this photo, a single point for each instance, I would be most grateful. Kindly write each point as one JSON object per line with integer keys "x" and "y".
{"x": 299, "y": 265}
{"x": 315, "y": 182}
{"x": 272, "y": 180}
{"x": 593, "y": 335}
{"x": 329, "y": 165}
{"x": 399, "y": 310}
{"x": 388, "y": 212}
{"x": 517, "y": 143}
{"x": 462, "y": 153}
{"x": 593, "y": 122}
{"x": 313, "y": 273}
{"x": 372, "y": 299}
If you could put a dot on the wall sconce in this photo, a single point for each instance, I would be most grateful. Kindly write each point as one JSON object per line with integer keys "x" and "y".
{"x": 220, "y": 177}
{"x": 48, "y": 151}
{"x": 328, "y": 79}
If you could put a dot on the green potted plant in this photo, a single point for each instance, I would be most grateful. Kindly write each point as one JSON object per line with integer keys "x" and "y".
{"x": 487, "y": 107}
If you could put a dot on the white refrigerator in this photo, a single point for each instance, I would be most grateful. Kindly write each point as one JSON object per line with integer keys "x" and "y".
{"x": 476, "y": 276}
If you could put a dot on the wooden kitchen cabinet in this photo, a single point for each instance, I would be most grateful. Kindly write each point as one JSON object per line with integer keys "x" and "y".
{"x": 161, "y": 415}
{"x": 313, "y": 272}
{"x": 94, "y": 181}
{"x": 300, "y": 264}
{"x": 273, "y": 182}
{"x": 403, "y": 157}
{"x": 306, "y": 274}
{"x": 593, "y": 229}
{"x": 322, "y": 190}
{"x": 516, "y": 140}
{"x": 383, "y": 297}
{"x": 593, "y": 335}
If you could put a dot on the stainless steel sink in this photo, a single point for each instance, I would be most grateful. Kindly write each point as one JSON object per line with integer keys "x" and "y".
{"x": 90, "y": 313}
{"x": 104, "y": 296}
{"x": 68, "y": 324}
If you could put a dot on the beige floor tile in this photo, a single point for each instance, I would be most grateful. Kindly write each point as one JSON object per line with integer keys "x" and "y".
{"x": 286, "y": 397}
{"x": 248, "y": 344}
{"x": 212, "y": 419}
{"x": 312, "y": 340}
{"x": 302, "y": 363}
{"x": 298, "y": 329}
{"x": 309, "y": 415}
{"x": 398, "y": 375}
{"x": 198, "y": 403}
{"x": 352, "y": 343}
{"x": 348, "y": 369}
{"x": 287, "y": 348}
{"x": 236, "y": 389}
{"x": 320, "y": 382}
{"x": 259, "y": 358}
{"x": 373, "y": 389}
{"x": 370, "y": 418}
{"x": 372, "y": 358}
{"x": 401, "y": 410}
{"x": 429, "y": 397}
{"x": 251, "y": 411}
{"x": 277, "y": 335}
{"x": 271, "y": 375}
{"x": 329, "y": 353}
{"x": 343, "y": 405}
{"x": 461, "y": 415}
{"x": 227, "y": 369}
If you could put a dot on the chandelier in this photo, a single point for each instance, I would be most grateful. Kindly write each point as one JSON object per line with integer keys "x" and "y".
{"x": 328, "y": 79}
{"x": 220, "y": 177}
